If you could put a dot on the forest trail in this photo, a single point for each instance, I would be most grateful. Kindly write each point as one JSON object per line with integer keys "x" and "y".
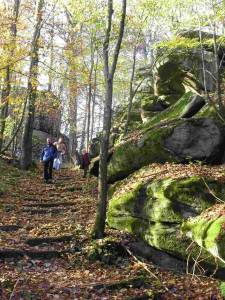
{"x": 45, "y": 243}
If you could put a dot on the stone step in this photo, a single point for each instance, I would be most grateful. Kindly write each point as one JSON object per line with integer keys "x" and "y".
{"x": 64, "y": 178}
{"x": 9, "y": 228}
{"x": 48, "y": 240}
{"x": 33, "y": 254}
{"x": 44, "y": 211}
{"x": 12, "y": 253}
{"x": 30, "y": 198}
{"x": 49, "y": 204}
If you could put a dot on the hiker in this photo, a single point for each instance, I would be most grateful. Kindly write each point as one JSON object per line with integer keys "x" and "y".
{"x": 85, "y": 162}
{"x": 61, "y": 151}
{"x": 48, "y": 154}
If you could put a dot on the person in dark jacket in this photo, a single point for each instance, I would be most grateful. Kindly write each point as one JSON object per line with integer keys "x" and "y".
{"x": 48, "y": 154}
{"x": 85, "y": 162}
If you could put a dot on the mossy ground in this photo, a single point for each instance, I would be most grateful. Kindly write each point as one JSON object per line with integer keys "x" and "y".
{"x": 8, "y": 175}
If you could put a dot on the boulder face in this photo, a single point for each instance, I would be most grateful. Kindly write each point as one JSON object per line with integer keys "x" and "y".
{"x": 156, "y": 210}
{"x": 200, "y": 139}
{"x": 208, "y": 231}
{"x": 193, "y": 107}
{"x": 168, "y": 78}
{"x": 136, "y": 153}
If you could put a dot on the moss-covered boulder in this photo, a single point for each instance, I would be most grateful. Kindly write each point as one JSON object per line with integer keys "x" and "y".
{"x": 168, "y": 77}
{"x": 200, "y": 139}
{"x": 140, "y": 151}
{"x": 175, "y": 111}
{"x": 155, "y": 209}
{"x": 208, "y": 231}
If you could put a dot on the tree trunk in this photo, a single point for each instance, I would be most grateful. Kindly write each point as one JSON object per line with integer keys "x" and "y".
{"x": 102, "y": 180}
{"x": 99, "y": 226}
{"x": 217, "y": 73}
{"x": 72, "y": 112}
{"x": 7, "y": 80}
{"x": 93, "y": 100}
{"x": 26, "y": 157}
{"x": 4, "y": 104}
{"x": 92, "y": 116}
{"x": 131, "y": 92}
{"x": 72, "y": 109}
{"x": 50, "y": 75}
{"x": 83, "y": 133}
{"x": 219, "y": 102}
{"x": 89, "y": 96}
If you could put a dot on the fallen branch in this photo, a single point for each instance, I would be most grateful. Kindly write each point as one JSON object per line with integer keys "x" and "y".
{"x": 211, "y": 192}
{"x": 14, "y": 288}
{"x": 144, "y": 266}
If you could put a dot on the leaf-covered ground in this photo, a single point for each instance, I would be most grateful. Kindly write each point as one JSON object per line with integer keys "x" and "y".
{"x": 45, "y": 247}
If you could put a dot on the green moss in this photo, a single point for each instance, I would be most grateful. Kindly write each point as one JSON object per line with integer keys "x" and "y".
{"x": 207, "y": 111}
{"x": 156, "y": 211}
{"x": 171, "y": 113}
{"x": 147, "y": 102}
{"x": 222, "y": 289}
{"x": 167, "y": 238}
{"x": 159, "y": 208}
{"x": 207, "y": 233}
{"x": 193, "y": 191}
{"x": 169, "y": 77}
{"x": 133, "y": 155}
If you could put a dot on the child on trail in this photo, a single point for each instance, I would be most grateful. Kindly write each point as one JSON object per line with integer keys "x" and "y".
{"x": 48, "y": 154}
{"x": 61, "y": 151}
{"x": 85, "y": 162}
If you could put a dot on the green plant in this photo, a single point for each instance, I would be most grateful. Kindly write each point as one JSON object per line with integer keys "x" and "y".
{"x": 222, "y": 289}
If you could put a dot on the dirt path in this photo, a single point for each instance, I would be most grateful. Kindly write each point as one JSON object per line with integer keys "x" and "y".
{"x": 45, "y": 244}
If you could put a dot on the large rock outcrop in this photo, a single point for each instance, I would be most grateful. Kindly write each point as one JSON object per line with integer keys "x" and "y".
{"x": 201, "y": 139}
{"x": 155, "y": 207}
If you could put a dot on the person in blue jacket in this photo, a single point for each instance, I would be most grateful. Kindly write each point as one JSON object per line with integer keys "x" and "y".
{"x": 48, "y": 154}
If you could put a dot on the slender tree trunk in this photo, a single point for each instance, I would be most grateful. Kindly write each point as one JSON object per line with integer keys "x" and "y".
{"x": 102, "y": 180}
{"x": 73, "y": 111}
{"x": 131, "y": 92}
{"x": 83, "y": 133}
{"x": 203, "y": 63}
{"x": 7, "y": 81}
{"x": 50, "y": 77}
{"x": 217, "y": 73}
{"x": 93, "y": 100}
{"x": 72, "y": 46}
{"x": 92, "y": 115}
{"x": 219, "y": 102}
{"x": 90, "y": 94}
{"x": 4, "y": 104}
{"x": 26, "y": 157}
{"x": 99, "y": 226}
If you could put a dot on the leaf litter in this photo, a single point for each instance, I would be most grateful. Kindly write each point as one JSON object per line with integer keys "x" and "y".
{"x": 72, "y": 275}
